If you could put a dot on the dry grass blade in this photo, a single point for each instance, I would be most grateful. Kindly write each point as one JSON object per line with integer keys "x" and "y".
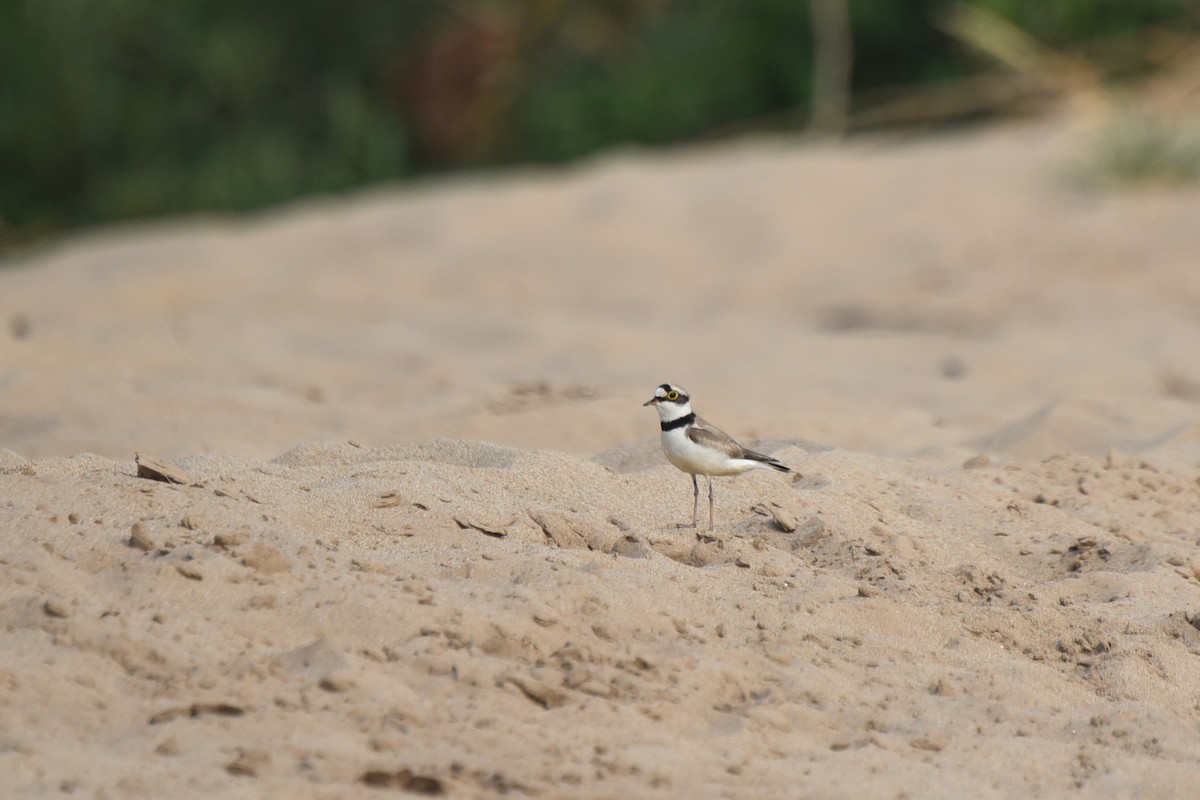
{"x": 1016, "y": 49}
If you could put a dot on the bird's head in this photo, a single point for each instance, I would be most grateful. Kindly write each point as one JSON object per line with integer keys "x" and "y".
{"x": 671, "y": 402}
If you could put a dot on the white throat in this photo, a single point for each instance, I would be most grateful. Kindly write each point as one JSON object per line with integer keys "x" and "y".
{"x": 669, "y": 412}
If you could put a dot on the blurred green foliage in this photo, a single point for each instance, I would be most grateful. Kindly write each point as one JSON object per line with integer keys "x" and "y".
{"x": 120, "y": 109}
{"x": 129, "y": 108}
{"x": 1140, "y": 149}
{"x": 1064, "y": 22}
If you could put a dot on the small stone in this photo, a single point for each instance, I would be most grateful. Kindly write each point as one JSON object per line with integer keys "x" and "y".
{"x": 250, "y": 763}
{"x": 977, "y": 462}
{"x": 545, "y": 618}
{"x": 168, "y": 747}
{"x": 192, "y": 522}
{"x": 53, "y": 608}
{"x": 190, "y": 571}
{"x": 155, "y": 470}
{"x": 405, "y": 780}
{"x": 231, "y": 539}
{"x": 931, "y": 743}
{"x": 783, "y": 519}
{"x": 605, "y": 633}
{"x": 73, "y": 518}
{"x": 139, "y": 537}
{"x": 339, "y": 681}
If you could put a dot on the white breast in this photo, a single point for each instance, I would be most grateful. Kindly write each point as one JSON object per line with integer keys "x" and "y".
{"x": 691, "y": 457}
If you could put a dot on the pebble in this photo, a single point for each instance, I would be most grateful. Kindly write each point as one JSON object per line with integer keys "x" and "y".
{"x": 249, "y": 763}
{"x": 190, "y": 571}
{"x": 155, "y": 470}
{"x": 338, "y": 681}
{"x": 168, "y": 747}
{"x": 139, "y": 537}
{"x": 231, "y": 539}
{"x": 783, "y": 519}
{"x": 931, "y": 743}
{"x": 53, "y": 608}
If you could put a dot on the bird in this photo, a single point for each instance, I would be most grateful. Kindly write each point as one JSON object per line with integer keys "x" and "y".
{"x": 700, "y": 448}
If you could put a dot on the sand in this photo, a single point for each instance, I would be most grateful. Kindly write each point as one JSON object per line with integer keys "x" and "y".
{"x": 424, "y": 540}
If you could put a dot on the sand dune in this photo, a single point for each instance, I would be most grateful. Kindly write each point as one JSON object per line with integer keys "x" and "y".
{"x": 425, "y": 539}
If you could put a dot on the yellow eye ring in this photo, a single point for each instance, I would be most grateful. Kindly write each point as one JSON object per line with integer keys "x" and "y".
{"x": 672, "y": 395}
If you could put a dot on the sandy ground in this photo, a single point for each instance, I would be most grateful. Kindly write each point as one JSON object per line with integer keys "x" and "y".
{"x": 425, "y": 541}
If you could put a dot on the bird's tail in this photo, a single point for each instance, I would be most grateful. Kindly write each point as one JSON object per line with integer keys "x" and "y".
{"x": 768, "y": 461}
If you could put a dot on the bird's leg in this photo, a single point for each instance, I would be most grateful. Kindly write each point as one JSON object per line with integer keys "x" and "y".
{"x": 695, "y": 497}
{"x": 695, "y": 504}
{"x": 710, "y": 503}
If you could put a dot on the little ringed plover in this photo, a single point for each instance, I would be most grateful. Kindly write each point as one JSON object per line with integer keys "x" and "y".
{"x": 700, "y": 448}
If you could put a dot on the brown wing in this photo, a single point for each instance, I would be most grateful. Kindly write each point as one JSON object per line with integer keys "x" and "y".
{"x": 704, "y": 433}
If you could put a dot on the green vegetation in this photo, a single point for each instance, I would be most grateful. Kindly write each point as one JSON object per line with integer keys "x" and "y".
{"x": 126, "y": 109}
{"x": 133, "y": 108}
{"x": 1136, "y": 149}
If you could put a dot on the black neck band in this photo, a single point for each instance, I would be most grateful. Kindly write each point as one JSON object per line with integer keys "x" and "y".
{"x": 686, "y": 419}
